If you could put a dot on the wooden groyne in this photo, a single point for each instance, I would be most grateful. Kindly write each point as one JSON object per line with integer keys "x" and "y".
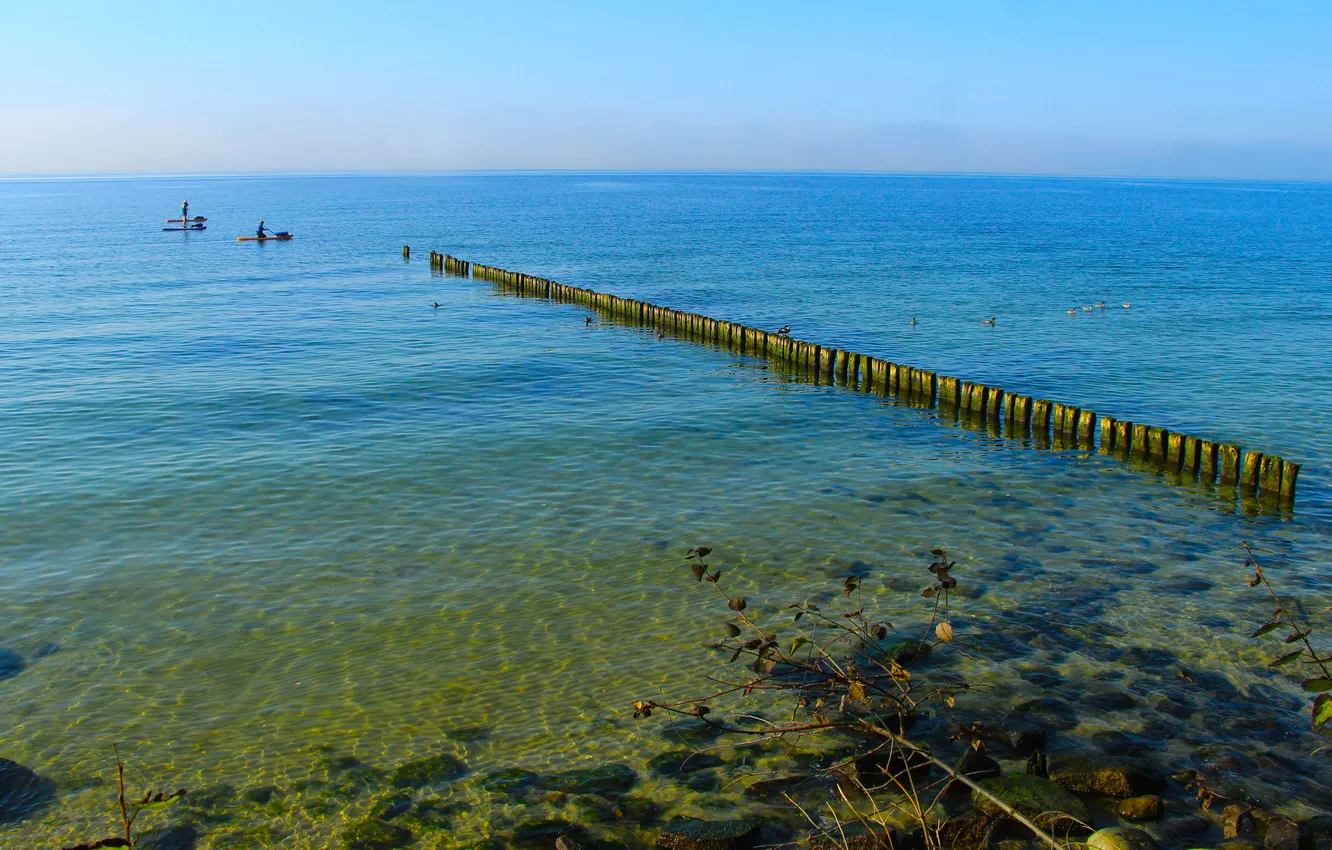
{"x": 444, "y": 264}
{"x": 1045, "y": 422}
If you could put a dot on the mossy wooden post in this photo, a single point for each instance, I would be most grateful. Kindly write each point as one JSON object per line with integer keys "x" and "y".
{"x": 1022, "y": 413}
{"x": 1230, "y": 460}
{"x": 1087, "y": 427}
{"x": 950, "y": 396}
{"x": 994, "y": 404}
{"x": 867, "y": 365}
{"x": 1174, "y": 456}
{"x": 406, "y": 252}
{"x": 843, "y": 364}
{"x": 1290, "y": 473}
{"x": 1206, "y": 461}
{"x": 965, "y": 393}
{"x": 979, "y": 397}
{"x": 1269, "y": 476}
{"x": 1156, "y": 442}
{"x": 1251, "y": 471}
{"x": 929, "y": 385}
{"x": 1040, "y": 419}
{"x": 827, "y": 364}
{"x": 1140, "y": 438}
{"x": 1189, "y": 461}
{"x": 1057, "y": 417}
{"x": 1010, "y": 407}
{"x": 1108, "y": 424}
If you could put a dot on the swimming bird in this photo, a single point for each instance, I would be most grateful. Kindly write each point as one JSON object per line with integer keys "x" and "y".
{"x": 1101, "y": 305}
{"x": 587, "y": 320}
{"x": 1089, "y": 308}
{"x": 436, "y": 305}
{"x": 1073, "y": 312}
{"x": 989, "y": 321}
{"x": 661, "y": 335}
{"x": 1126, "y": 305}
{"x": 913, "y": 321}
{"x": 784, "y": 330}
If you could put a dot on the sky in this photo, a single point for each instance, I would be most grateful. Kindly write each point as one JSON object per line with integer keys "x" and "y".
{"x": 1165, "y": 89}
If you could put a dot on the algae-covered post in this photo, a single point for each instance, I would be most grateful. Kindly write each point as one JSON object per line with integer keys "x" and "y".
{"x": 406, "y": 252}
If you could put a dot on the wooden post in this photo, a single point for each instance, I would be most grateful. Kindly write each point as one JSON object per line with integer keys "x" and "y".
{"x": 1086, "y": 428}
{"x": 1290, "y": 473}
{"x": 950, "y": 396}
{"x": 1249, "y": 474}
{"x": 1269, "y": 479}
{"x": 1156, "y": 442}
{"x": 1174, "y": 456}
{"x": 1230, "y": 459}
{"x": 843, "y": 364}
{"x": 1124, "y": 436}
{"x": 1192, "y": 454}
{"x": 406, "y": 252}
{"x": 1108, "y": 424}
{"x": 1040, "y": 418}
{"x": 967, "y": 390}
{"x": 827, "y": 364}
{"x": 1206, "y": 461}
{"x": 1140, "y": 441}
{"x": 994, "y": 403}
{"x": 979, "y": 398}
{"x": 929, "y": 385}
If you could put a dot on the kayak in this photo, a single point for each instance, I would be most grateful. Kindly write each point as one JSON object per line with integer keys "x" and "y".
{"x": 276, "y": 237}
{"x": 191, "y": 227}
{"x": 182, "y": 220}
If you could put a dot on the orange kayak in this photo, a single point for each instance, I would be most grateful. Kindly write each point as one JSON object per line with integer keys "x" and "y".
{"x": 276, "y": 237}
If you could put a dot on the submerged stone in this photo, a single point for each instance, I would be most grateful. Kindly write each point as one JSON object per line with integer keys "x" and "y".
{"x": 906, "y": 651}
{"x": 376, "y": 834}
{"x": 428, "y": 771}
{"x": 543, "y": 834}
{"x": 1031, "y": 796}
{"x": 22, "y": 791}
{"x": 607, "y": 780}
{"x": 513, "y": 781}
{"x": 856, "y": 836}
{"x": 11, "y": 664}
{"x": 1109, "y": 776}
{"x": 678, "y": 762}
{"x": 1141, "y": 808}
{"x": 180, "y": 837}
{"x": 690, "y": 834}
{"x": 1121, "y": 838}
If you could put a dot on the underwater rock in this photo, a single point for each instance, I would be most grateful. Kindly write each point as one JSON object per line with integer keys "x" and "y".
{"x": 961, "y": 833}
{"x": 877, "y": 769}
{"x": 376, "y": 834}
{"x": 11, "y": 664}
{"x": 1110, "y": 701}
{"x": 1282, "y": 834}
{"x": 1142, "y": 808}
{"x": 1186, "y": 825}
{"x": 680, "y": 762}
{"x": 428, "y": 771}
{"x": 180, "y": 837}
{"x": 774, "y": 788}
{"x": 569, "y": 842}
{"x": 1022, "y": 736}
{"x": 906, "y": 651}
{"x": 609, "y": 780}
{"x": 260, "y": 795}
{"x": 22, "y": 791}
{"x": 975, "y": 766}
{"x": 855, "y": 836}
{"x": 1031, "y": 796}
{"x": 1115, "y": 743}
{"x": 1112, "y": 777}
{"x": 1121, "y": 838}
{"x": 544, "y": 834}
{"x": 690, "y": 834}
{"x": 514, "y": 781}
{"x": 1045, "y": 711}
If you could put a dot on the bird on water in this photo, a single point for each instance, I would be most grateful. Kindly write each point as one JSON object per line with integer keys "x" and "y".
{"x": 587, "y": 320}
{"x": 1073, "y": 312}
{"x": 989, "y": 321}
{"x": 1126, "y": 305}
{"x": 1089, "y": 308}
{"x": 1101, "y": 305}
{"x": 913, "y": 321}
{"x": 436, "y": 305}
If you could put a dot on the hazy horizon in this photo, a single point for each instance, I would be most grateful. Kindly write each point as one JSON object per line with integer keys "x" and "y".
{"x": 1210, "y": 91}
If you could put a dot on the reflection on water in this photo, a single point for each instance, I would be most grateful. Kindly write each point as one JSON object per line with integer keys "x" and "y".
{"x": 304, "y": 544}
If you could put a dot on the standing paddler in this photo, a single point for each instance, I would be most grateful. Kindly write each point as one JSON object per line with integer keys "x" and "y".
{"x": 185, "y": 210}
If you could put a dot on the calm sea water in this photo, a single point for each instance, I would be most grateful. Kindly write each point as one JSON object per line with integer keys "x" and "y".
{"x": 267, "y": 514}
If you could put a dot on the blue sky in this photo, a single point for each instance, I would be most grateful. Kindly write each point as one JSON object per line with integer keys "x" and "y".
{"x": 1146, "y": 89}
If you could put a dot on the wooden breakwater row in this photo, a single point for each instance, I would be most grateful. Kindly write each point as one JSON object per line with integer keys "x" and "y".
{"x": 445, "y": 264}
{"x": 1042, "y": 420}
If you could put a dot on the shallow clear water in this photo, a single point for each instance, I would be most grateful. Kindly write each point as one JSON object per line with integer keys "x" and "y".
{"x": 265, "y": 508}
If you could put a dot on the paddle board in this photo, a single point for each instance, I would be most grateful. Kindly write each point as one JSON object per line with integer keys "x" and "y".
{"x": 276, "y": 237}
{"x": 191, "y": 227}
{"x": 179, "y": 220}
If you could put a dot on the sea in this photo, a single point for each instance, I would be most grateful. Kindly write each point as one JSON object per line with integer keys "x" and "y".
{"x": 279, "y": 519}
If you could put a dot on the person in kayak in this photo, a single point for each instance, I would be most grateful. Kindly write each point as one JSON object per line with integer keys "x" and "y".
{"x": 262, "y": 231}
{"x": 185, "y": 210}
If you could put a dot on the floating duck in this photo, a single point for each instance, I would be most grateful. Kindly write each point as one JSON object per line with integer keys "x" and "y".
{"x": 436, "y": 305}
{"x": 661, "y": 335}
{"x": 1126, "y": 305}
{"x": 913, "y": 321}
{"x": 1073, "y": 312}
{"x": 1089, "y": 308}
{"x": 784, "y": 330}
{"x": 1101, "y": 305}
{"x": 989, "y": 321}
